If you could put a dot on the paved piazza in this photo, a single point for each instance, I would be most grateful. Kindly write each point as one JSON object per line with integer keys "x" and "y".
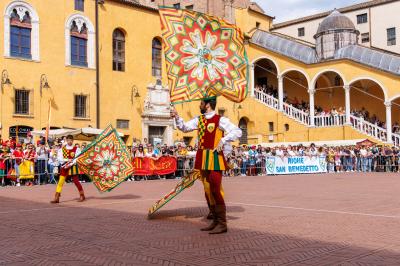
{"x": 332, "y": 219}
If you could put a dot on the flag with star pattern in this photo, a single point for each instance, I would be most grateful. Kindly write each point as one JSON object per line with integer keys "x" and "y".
{"x": 205, "y": 56}
{"x": 106, "y": 160}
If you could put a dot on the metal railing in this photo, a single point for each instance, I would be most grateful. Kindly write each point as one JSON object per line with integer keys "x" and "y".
{"x": 245, "y": 166}
{"x": 396, "y": 139}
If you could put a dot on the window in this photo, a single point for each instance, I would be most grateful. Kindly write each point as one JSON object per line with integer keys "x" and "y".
{"x": 21, "y": 102}
{"x": 156, "y": 58}
{"x": 189, "y": 7}
{"x": 362, "y": 18}
{"x": 286, "y": 127}
{"x": 391, "y": 36}
{"x": 123, "y": 124}
{"x": 300, "y": 32}
{"x": 78, "y": 45}
{"x": 258, "y": 25}
{"x": 118, "y": 50}
{"x": 81, "y": 103}
{"x": 80, "y": 5}
{"x": 21, "y": 31}
{"x": 365, "y": 37}
{"x": 20, "y": 35}
{"x": 177, "y": 5}
{"x": 271, "y": 126}
{"x": 80, "y": 42}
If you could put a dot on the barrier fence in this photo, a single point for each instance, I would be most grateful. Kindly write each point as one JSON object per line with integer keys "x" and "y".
{"x": 24, "y": 172}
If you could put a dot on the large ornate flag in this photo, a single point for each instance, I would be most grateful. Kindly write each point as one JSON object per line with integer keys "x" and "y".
{"x": 185, "y": 183}
{"x": 205, "y": 56}
{"x": 106, "y": 160}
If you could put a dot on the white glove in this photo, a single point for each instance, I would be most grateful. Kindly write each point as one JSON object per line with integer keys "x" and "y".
{"x": 220, "y": 147}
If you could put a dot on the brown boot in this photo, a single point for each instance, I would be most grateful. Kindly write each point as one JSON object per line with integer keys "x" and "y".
{"x": 56, "y": 198}
{"x": 214, "y": 222}
{"x": 81, "y": 196}
{"x": 220, "y": 211}
{"x": 210, "y": 215}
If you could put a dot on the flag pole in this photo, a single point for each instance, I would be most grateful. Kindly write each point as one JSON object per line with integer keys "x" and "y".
{"x": 48, "y": 123}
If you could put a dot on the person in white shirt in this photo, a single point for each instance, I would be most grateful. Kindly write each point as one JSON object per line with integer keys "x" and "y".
{"x": 66, "y": 157}
{"x": 214, "y": 136}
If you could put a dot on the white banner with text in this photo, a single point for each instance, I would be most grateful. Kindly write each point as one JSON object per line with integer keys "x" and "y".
{"x": 276, "y": 165}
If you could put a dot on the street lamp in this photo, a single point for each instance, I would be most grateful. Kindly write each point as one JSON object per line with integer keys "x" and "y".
{"x": 43, "y": 83}
{"x": 4, "y": 79}
{"x": 134, "y": 93}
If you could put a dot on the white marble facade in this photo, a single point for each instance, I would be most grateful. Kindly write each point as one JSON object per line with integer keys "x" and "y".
{"x": 156, "y": 112}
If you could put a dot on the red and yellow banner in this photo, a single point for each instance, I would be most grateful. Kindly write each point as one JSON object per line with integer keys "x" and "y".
{"x": 151, "y": 166}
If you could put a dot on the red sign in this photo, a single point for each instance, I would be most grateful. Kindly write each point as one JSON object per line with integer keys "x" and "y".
{"x": 154, "y": 166}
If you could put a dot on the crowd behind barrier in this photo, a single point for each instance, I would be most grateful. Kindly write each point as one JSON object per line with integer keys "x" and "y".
{"x": 31, "y": 163}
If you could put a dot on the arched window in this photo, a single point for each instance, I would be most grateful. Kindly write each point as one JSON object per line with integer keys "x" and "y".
{"x": 78, "y": 45}
{"x": 79, "y": 41}
{"x": 118, "y": 50}
{"x": 21, "y": 31}
{"x": 20, "y": 35}
{"x": 156, "y": 57}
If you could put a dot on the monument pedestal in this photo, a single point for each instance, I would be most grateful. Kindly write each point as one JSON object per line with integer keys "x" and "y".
{"x": 157, "y": 124}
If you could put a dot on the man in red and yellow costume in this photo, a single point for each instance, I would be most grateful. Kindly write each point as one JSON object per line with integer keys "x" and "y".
{"x": 69, "y": 168}
{"x": 214, "y": 135}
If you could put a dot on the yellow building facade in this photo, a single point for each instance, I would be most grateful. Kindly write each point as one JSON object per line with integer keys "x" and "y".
{"x": 63, "y": 54}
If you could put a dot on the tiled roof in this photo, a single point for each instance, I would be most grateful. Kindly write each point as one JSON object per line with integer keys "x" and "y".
{"x": 367, "y": 56}
{"x": 137, "y": 4}
{"x": 300, "y": 52}
{"x": 284, "y": 46}
{"x": 346, "y": 9}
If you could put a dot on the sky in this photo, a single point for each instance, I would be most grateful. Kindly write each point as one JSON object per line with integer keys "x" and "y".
{"x": 284, "y": 10}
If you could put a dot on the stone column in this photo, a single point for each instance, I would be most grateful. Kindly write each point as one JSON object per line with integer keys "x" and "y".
{"x": 311, "y": 92}
{"x": 280, "y": 92}
{"x": 252, "y": 81}
{"x": 347, "y": 103}
{"x": 389, "y": 122}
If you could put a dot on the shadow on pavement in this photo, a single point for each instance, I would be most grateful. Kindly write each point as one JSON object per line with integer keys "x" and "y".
{"x": 195, "y": 212}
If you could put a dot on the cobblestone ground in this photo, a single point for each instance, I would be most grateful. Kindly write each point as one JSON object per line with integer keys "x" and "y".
{"x": 332, "y": 219}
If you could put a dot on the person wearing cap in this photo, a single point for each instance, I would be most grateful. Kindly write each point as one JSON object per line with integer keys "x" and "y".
{"x": 214, "y": 135}
{"x": 66, "y": 156}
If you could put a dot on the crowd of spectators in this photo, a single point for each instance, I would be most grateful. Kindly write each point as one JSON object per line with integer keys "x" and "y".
{"x": 42, "y": 157}
{"x": 244, "y": 160}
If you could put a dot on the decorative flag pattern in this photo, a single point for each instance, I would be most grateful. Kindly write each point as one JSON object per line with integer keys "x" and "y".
{"x": 205, "y": 56}
{"x": 106, "y": 160}
{"x": 185, "y": 183}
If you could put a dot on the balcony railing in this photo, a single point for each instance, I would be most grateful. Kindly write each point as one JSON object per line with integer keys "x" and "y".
{"x": 368, "y": 128}
{"x": 296, "y": 114}
{"x": 267, "y": 99}
{"x": 329, "y": 120}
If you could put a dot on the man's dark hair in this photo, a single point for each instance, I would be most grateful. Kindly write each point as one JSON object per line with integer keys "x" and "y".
{"x": 70, "y": 137}
{"x": 212, "y": 102}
